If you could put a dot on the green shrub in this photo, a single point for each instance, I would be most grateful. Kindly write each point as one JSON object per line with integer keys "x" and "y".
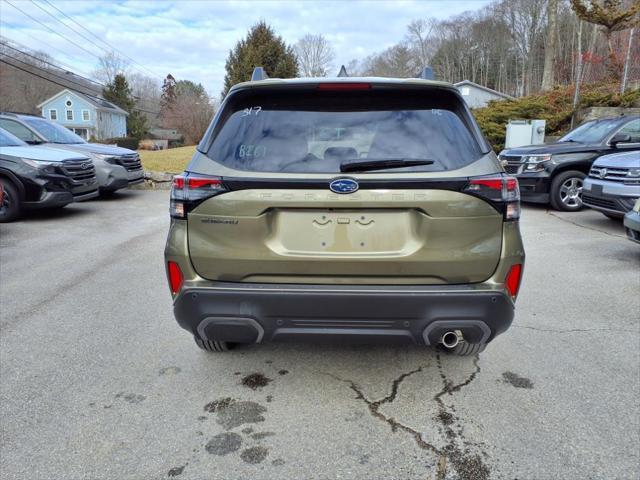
{"x": 125, "y": 142}
{"x": 554, "y": 106}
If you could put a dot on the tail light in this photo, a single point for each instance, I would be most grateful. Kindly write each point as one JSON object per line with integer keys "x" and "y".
{"x": 188, "y": 190}
{"x": 175, "y": 277}
{"x": 512, "y": 282}
{"x": 501, "y": 191}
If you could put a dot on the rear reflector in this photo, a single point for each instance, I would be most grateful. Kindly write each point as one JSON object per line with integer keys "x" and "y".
{"x": 344, "y": 86}
{"x": 175, "y": 277}
{"x": 512, "y": 282}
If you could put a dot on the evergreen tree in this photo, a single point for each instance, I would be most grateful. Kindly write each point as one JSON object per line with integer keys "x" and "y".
{"x": 261, "y": 48}
{"x": 118, "y": 92}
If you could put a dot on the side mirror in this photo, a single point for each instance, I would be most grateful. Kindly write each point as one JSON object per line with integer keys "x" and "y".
{"x": 620, "y": 138}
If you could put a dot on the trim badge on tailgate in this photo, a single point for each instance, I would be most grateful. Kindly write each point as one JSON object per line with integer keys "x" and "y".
{"x": 344, "y": 185}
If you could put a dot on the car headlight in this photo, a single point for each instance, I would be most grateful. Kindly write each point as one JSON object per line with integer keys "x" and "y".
{"x": 535, "y": 162}
{"x": 44, "y": 165}
{"x": 106, "y": 158}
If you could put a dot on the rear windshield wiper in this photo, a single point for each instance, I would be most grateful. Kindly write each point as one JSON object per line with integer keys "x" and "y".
{"x": 382, "y": 163}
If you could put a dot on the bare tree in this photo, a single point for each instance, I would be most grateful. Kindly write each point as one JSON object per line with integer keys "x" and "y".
{"x": 315, "y": 56}
{"x": 612, "y": 16}
{"x": 625, "y": 75}
{"x": 550, "y": 47}
{"x": 110, "y": 65}
{"x": 146, "y": 92}
{"x": 420, "y": 40}
{"x": 396, "y": 61}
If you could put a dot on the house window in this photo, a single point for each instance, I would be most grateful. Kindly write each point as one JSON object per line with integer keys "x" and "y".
{"x": 69, "y": 114}
{"x": 465, "y": 91}
{"x": 85, "y": 115}
{"x": 100, "y": 116}
{"x": 83, "y": 132}
{"x": 68, "y": 103}
{"x": 53, "y": 114}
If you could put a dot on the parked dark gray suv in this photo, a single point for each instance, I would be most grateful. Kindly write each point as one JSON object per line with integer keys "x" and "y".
{"x": 116, "y": 167}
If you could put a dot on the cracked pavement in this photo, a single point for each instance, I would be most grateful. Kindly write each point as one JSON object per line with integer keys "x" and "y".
{"x": 98, "y": 382}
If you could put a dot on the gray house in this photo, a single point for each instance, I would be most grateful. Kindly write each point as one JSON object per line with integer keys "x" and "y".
{"x": 86, "y": 115}
{"x": 477, "y": 96}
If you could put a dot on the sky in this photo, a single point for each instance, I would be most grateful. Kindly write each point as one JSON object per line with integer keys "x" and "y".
{"x": 191, "y": 39}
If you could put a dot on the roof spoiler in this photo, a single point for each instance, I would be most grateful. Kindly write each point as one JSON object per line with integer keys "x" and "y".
{"x": 259, "y": 74}
{"x": 426, "y": 74}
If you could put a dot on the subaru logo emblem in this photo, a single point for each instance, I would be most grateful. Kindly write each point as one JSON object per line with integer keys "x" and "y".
{"x": 344, "y": 185}
{"x": 85, "y": 165}
{"x": 603, "y": 173}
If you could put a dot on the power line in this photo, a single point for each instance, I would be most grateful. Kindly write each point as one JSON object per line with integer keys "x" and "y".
{"x": 22, "y": 52}
{"x": 100, "y": 39}
{"x": 6, "y": 40}
{"x": 2, "y": 60}
{"x": 52, "y": 30}
{"x": 80, "y": 34}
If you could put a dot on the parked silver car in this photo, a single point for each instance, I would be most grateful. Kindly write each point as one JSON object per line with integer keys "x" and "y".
{"x": 613, "y": 184}
{"x": 116, "y": 167}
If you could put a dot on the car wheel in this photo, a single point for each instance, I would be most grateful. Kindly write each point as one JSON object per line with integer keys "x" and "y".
{"x": 213, "y": 345}
{"x": 566, "y": 191}
{"x": 10, "y": 207}
{"x": 465, "y": 349}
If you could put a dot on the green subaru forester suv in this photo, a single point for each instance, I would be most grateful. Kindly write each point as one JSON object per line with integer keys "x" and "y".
{"x": 344, "y": 209}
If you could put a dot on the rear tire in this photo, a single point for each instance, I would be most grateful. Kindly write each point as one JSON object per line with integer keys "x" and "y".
{"x": 566, "y": 191}
{"x": 465, "y": 349}
{"x": 213, "y": 345}
{"x": 10, "y": 208}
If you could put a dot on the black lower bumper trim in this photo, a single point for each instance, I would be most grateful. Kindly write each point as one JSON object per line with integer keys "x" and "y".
{"x": 256, "y": 313}
{"x": 51, "y": 200}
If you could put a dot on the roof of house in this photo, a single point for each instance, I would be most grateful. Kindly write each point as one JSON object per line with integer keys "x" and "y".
{"x": 482, "y": 87}
{"x": 99, "y": 103}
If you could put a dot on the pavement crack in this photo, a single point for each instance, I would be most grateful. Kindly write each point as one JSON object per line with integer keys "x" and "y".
{"x": 466, "y": 465}
{"x": 374, "y": 408}
{"x": 574, "y": 330}
{"x": 448, "y": 386}
{"x": 584, "y": 226}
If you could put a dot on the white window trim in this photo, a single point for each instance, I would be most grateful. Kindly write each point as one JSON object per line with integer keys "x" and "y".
{"x": 67, "y": 115}
{"x": 88, "y": 119}
{"x": 55, "y": 110}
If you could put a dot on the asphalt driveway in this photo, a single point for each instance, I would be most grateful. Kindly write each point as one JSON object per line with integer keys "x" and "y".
{"x": 97, "y": 381}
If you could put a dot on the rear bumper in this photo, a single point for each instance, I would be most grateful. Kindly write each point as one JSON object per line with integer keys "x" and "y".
{"x": 259, "y": 313}
{"x": 534, "y": 187}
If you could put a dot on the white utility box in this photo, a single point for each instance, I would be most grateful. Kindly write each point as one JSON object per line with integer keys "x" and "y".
{"x": 524, "y": 132}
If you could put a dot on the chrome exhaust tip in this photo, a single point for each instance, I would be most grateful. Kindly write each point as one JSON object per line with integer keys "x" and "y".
{"x": 451, "y": 339}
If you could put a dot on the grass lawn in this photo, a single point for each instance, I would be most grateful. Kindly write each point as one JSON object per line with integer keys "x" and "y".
{"x": 172, "y": 160}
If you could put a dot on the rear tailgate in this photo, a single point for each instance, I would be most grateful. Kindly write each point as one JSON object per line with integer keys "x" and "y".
{"x": 376, "y": 236}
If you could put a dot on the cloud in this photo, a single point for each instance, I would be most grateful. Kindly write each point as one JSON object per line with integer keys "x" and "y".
{"x": 191, "y": 39}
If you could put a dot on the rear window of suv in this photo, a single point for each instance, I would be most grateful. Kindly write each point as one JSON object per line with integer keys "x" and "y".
{"x": 316, "y": 131}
